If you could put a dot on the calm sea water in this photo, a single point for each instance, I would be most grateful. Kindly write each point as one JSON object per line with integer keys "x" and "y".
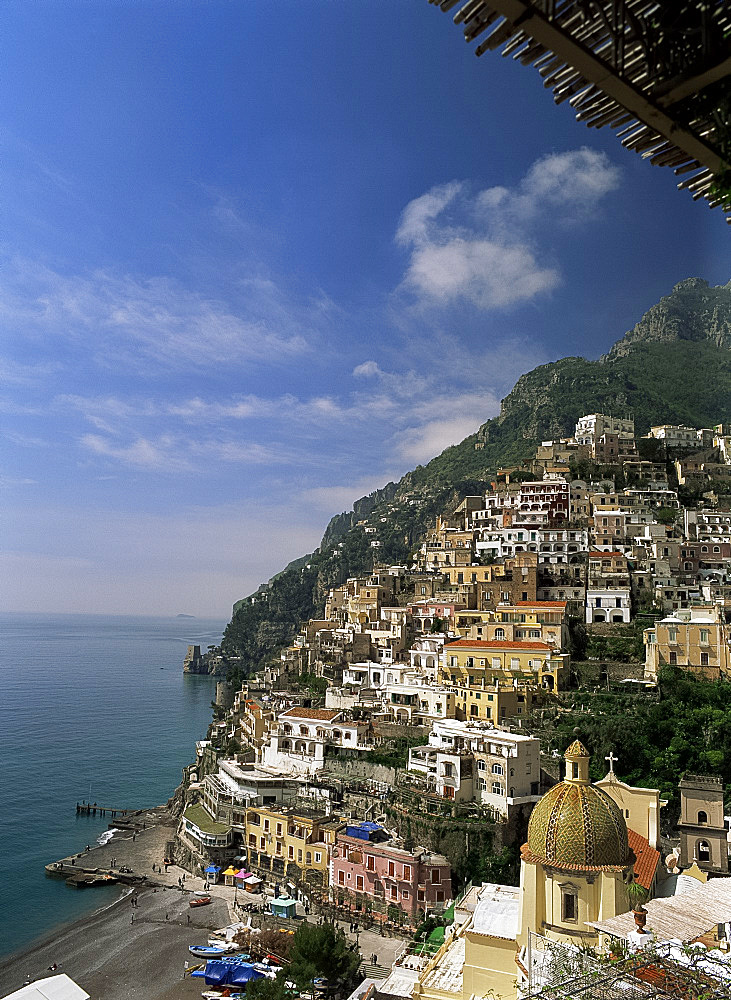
{"x": 92, "y": 705}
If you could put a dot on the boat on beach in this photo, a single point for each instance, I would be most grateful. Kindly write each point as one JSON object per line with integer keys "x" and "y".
{"x": 200, "y": 901}
{"x": 208, "y": 951}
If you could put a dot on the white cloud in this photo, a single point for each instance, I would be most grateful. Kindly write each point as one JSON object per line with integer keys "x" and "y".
{"x": 421, "y": 444}
{"x": 151, "y": 323}
{"x": 564, "y": 186}
{"x": 478, "y": 249}
{"x": 367, "y": 370}
{"x": 160, "y": 454}
{"x": 482, "y": 271}
{"x": 416, "y": 219}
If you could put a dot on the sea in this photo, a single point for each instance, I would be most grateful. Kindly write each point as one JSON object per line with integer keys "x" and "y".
{"x": 95, "y": 708}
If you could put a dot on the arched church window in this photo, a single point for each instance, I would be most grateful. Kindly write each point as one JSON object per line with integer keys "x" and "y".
{"x": 704, "y": 851}
{"x": 702, "y": 817}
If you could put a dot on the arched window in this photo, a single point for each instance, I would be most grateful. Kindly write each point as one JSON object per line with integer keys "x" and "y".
{"x": 497, "y": 769}
{"x": 481, "y": 765}
{"x": 702, "y": 817}
{"x": 704, "y": 851}
{"x": 499, "y": 633}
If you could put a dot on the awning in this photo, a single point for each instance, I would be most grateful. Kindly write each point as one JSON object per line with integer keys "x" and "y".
{"x": 243, "y": 874}
{"x": 212, "y": 870}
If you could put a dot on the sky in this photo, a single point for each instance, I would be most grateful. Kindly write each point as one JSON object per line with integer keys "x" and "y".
{"x": 257, "y": 260}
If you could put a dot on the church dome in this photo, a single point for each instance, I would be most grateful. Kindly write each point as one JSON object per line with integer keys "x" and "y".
{"x": 576, "y": 824}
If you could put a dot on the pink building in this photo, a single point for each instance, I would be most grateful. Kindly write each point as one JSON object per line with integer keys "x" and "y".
{"x": 372, "y": 872}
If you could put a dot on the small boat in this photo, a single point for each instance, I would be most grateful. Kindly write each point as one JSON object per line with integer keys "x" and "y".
{"x": 200, "y": 901}
{"x": 206, "y": 951}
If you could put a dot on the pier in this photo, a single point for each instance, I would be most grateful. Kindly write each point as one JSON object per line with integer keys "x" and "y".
{"x": 91, "y": 809}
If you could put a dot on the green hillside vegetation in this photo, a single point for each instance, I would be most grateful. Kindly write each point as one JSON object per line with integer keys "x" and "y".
{"x": 687, "y": 728}
{"x": 673, "y": 367}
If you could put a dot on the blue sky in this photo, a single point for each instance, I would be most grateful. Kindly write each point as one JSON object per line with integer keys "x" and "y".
{"x": 259, "y": 259}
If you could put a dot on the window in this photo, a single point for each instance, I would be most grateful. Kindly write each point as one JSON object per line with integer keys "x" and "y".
{"x": 481, "y": 765}
{"x": 407, "y": 873}
{"x": 705, "y": 636}
{"x": 499, "y": 633}
{"x": 440, "y": 896}
{"x": 436, "y": 876}
{"x": 394, "y": 892}
{"x": 405, "y": 894}
{"x": 704, "y": 851}
{"x": 704, "y": 659}
{"x": 279, "y": 829}
{"x": 254, "y": 819}
{"x": 420, "y": 895}
{"x": 702, "y": 817}
{"x": 672, "y": 635}
{"x": 359, "y": 883}
{"x": 498, "y": 769}
{"x": 391, "y": 868}
{"x": 673, "y": 659}
{"x": 569, "y": 905}
{"x": 341, "y": 878}
{"x": 266, "y": 825}
{"x": 496, "y": 790}
{"x": 299, "y": 856}
{"x": 252, "y": 840}
{"x": 290, "y": 853}
{"x": 318, "y": 857}
{"x": 370, "y": 863}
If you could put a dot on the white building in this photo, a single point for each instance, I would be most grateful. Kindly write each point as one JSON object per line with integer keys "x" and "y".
{"x": 474, "y": 761}
{"x": 608, "y": 605}
{"x": 303, "y": 736}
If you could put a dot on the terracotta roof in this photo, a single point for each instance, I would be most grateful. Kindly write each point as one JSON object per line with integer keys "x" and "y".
{"x": 319, "y": 714}
{"x": 646, "y": 858}
{"x": 540, "y": 604}
{"x": 495, "y": 644}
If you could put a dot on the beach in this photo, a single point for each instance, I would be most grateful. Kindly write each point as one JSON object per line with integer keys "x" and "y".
{"x": 138, "y": 945}
{"x": 128, "y": 950}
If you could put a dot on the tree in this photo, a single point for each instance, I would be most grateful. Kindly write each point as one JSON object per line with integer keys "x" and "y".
{"x": 321, "y": 950}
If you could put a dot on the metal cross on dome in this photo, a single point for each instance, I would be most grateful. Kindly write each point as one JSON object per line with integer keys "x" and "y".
{"x": 612, "y": 760}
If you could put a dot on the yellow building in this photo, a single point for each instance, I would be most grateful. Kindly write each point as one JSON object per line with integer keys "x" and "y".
{"x": 499, "y": 679}
{"x": 542, "y": 621}
{"x": 291, "y": 842}
{"x": 695, "y": 639}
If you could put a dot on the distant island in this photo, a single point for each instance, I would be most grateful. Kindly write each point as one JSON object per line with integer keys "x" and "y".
{"x": 185, "y": 616}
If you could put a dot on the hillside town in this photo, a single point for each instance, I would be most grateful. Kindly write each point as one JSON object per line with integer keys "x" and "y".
{"x": 415, "y": 727}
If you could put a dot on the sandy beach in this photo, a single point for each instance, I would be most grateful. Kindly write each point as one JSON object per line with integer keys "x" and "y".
{"x": 128, "y": 950}
{"x": 125, "y": 951}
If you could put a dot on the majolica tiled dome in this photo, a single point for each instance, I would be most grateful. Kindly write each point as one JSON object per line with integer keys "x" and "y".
{"x": 575, "y": 824}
